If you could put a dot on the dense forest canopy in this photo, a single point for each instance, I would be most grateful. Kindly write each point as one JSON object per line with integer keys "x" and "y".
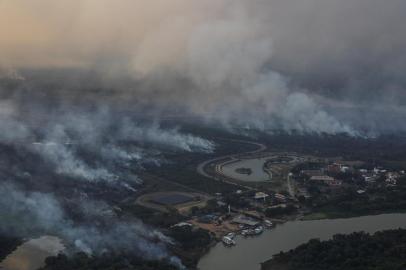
{"x": 357, "y": 251}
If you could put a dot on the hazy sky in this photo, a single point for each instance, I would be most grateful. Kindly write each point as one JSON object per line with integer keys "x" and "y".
{"x": 325, "y": 56}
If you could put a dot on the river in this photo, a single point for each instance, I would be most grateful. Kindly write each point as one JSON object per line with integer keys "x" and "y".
{"x": 250, "y": 252}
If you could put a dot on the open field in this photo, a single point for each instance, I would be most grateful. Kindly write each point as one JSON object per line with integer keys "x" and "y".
{"x": 164, "y": 201}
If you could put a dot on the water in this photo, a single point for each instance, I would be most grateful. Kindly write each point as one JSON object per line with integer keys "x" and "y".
{"x": 250, "y": 252}
{"x": 32, "y": 254}
{"x": 256, "y": 165}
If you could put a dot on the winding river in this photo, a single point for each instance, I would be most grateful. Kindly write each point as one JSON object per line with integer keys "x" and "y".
{"x": 250, "y": 252}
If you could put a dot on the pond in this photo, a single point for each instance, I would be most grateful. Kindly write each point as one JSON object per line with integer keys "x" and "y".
{"x": 256, "y": 165}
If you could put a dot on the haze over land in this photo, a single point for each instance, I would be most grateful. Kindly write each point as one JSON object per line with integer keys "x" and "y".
{"x": 312, "y": 66}
{"x": 84, "y": 86}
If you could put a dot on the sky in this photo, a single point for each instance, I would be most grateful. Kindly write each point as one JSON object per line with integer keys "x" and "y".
{"x": 307, "y": 65}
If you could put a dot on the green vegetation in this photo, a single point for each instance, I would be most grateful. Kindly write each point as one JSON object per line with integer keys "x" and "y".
{"x": 81, "y": 261}
{"x": 190, "y": 238}
{"x": 183, "y": 167}
{"x": 152, "y": 217}
{"x": 358, "y": 251}
{"x": 247, "y": 171}
{"x": 377, "y": 200}
{"x": 280, "y": 211}
{"x": 191, "y": 244}
{"x": 389, "y": 149}
{"x": 316, "y": 216}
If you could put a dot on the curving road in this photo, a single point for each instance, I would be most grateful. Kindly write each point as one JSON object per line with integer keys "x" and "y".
{"x": 201, "y": 166}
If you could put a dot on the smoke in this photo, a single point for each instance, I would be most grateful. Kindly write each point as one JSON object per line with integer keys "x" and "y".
{"x": 24, "y": 213}
{"x": 69, "y": 140}
{"x": 165, "y": 138}
{"x": 235, "y": 62}
{"x": 63, "y": 151}
{"x": 87, "y": 153}
{"x": 74, "y": 76}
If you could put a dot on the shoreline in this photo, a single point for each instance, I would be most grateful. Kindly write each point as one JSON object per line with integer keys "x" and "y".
{"x": 262, "y": 248}
{"x": 293, "y": 218}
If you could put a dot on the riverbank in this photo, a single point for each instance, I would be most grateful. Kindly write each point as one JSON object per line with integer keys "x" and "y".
{"x": 250, "y": 252}
{"x": 8, "y": 245}
{"x": 336, "y": 215}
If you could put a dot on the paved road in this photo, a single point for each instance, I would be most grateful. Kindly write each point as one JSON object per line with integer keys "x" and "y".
{"x": 291, "y": 189}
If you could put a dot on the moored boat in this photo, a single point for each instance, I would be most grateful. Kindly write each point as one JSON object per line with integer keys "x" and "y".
{"x": 228, "y": 241}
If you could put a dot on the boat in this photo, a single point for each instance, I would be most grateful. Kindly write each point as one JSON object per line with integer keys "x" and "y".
{"x": 248, "y": 232}
{"x": 228, "y": 241}
{"x": 258, "y": 230}
{"x": 231, "y": 235}
{"x": 268, "y": 223}
{"x": 251, "y": 232}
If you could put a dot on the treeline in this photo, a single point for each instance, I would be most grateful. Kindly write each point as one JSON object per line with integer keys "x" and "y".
{"x": 350, "y": 203}
{"x": 7, "y": 245}
{"x": 190, "y": 238}
{"x": 384, "y": 250}
{"x": 81, "y": 261}
{"x": 388, "y": 147}
{"x": 191, "y": 244}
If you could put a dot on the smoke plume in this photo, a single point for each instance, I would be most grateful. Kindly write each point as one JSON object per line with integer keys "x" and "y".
{"x": 245, "y": 63}
{"x": 24, "y": 213}
{"x": 85, "y": 84}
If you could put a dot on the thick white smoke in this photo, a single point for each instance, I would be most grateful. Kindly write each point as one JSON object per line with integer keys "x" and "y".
{"x": 24, "y": 213}
{"x": 237, "y": 62}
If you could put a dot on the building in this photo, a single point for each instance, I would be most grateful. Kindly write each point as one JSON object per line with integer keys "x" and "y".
{"x": 326, "y": 180}
{"x": 334, "y": 168}
{"x": 261, "y": 196}
{"x": 311, "y": 173}
{"x": 345, "y": 169}
{"x": 322, "y": 178}
{"x": 208, "y": 219}
{"x": 280, "y": 197}
{"x": 244, "y": 220}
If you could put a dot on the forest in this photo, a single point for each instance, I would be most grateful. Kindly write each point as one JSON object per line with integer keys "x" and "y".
{"x": 7, "y": 245}
{"x": 384, "y": 250}
{"x": 81, "y": 261}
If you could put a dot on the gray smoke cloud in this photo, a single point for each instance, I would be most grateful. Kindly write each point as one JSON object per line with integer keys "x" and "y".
{"x": 245, "y": 63}
{"x": 84, "y": 149}
{"x": 24, "y": 213}
{"x": 63, "y": 137}
{"x": 74, "y": 73}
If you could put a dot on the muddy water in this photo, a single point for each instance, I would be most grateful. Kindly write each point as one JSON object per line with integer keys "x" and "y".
{"x": 250, "y": 252}
{"x": 32, "y": 254}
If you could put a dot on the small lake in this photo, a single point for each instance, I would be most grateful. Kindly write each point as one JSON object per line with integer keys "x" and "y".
{"x": 250, "y": 252}
{"x": 31, "y": 255}
{"x": 256, "y": 165}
